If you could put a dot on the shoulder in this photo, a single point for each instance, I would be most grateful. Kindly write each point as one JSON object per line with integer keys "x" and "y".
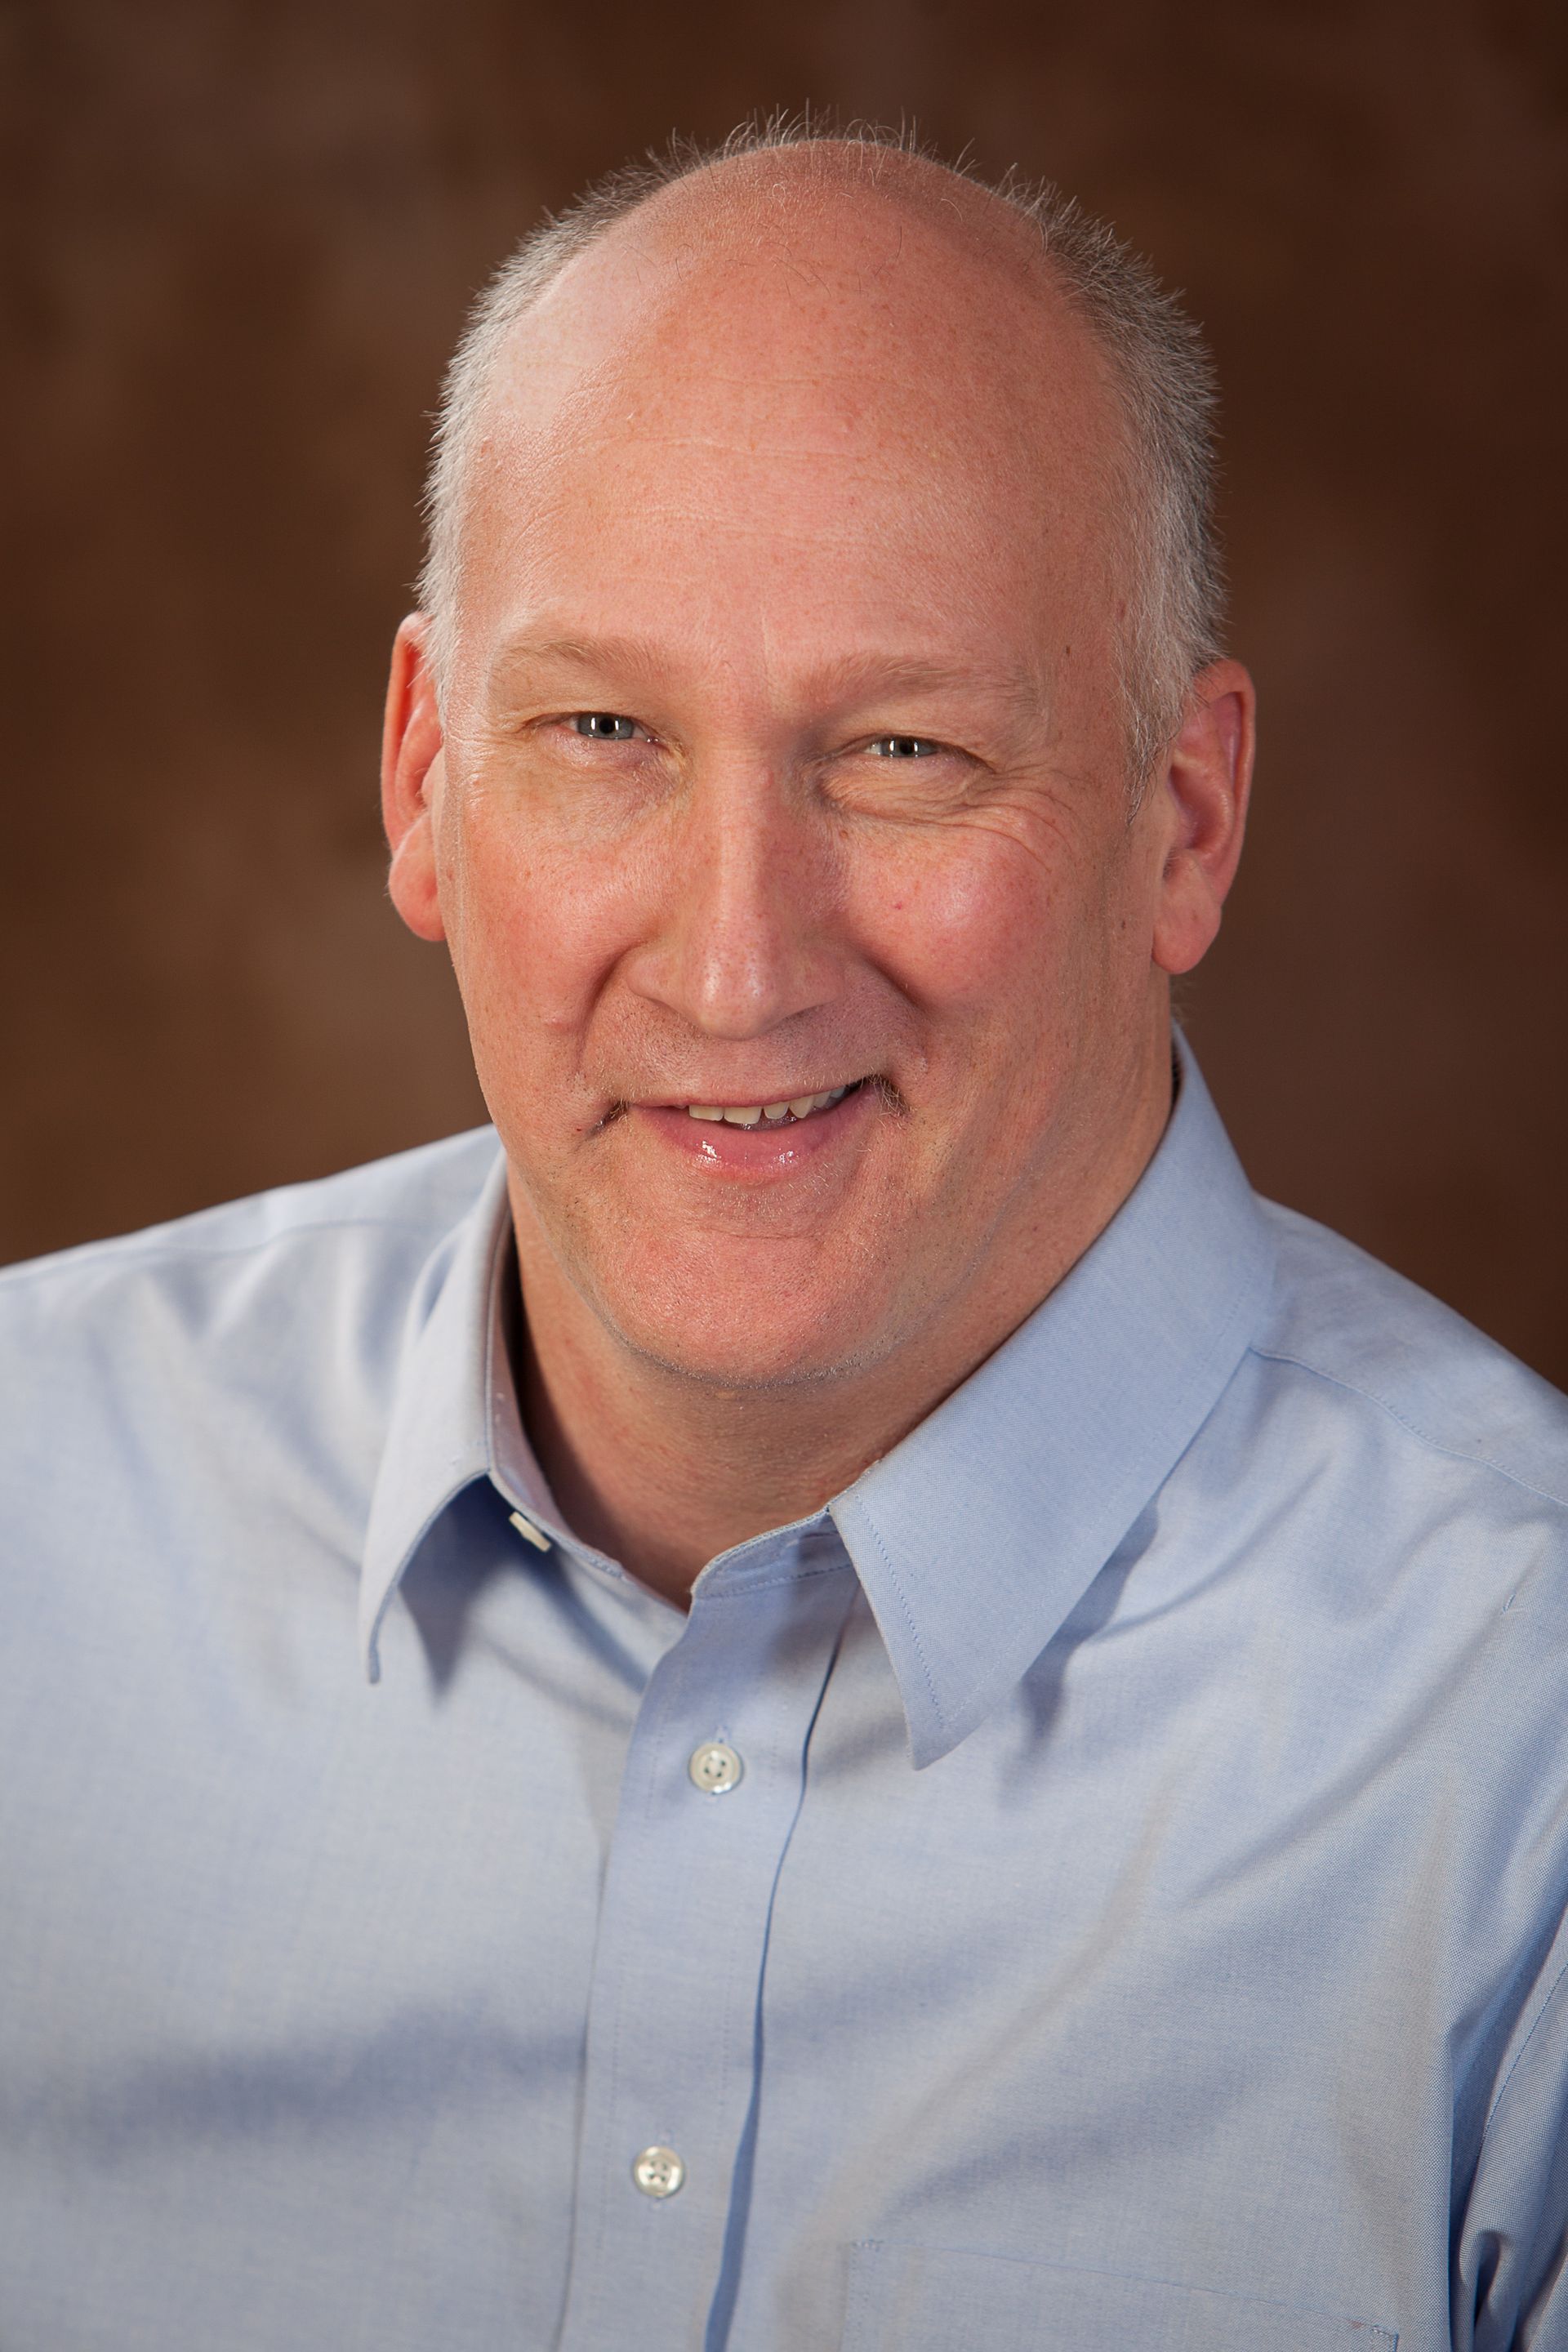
{"x": 285, "y": 1315}
{"x": 1380, "y": 1351}
{"x": 384, "y": 1214}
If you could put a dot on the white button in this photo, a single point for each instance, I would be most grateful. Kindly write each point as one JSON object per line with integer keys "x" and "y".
{"x": 658, "y": 2171}
{"x": 714, "y": 1767}
{"x": 536, "y": 1536}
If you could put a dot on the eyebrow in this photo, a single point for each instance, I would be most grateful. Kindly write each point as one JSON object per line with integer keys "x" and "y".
{"x": 851, "y": 678}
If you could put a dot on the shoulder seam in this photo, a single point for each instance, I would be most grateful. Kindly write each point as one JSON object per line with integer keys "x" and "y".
{"x": 1422, "y": 1436}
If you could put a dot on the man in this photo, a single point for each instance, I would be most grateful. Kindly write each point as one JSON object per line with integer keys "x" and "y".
{"x": 960, "y": 1733}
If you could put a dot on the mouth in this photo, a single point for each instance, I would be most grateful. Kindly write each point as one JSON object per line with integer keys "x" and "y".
{"x": 789, "y": 1113}
{"x": 762, "y": 1142}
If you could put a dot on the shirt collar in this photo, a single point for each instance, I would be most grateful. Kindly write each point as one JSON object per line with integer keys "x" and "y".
{"x": 454, "y": 1415}
{"x": 977, "y": 1535}
{"x": 975, "y": 1538}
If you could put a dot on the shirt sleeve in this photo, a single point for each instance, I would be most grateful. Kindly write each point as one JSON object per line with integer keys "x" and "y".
{"x": 1510, "y": 2250}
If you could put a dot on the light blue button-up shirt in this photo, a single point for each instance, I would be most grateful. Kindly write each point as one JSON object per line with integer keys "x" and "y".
{"x": 1137, "y": 1922}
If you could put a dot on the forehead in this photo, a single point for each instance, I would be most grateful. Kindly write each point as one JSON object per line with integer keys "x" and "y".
{"x": 788, "y": 372}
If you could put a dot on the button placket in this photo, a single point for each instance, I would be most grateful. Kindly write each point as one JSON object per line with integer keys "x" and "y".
{"x": 683, "y": 1926}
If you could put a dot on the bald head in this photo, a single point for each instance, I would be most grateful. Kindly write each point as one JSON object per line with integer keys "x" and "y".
{"x": 792, "y": 304}
{"x": 792, "y": 380}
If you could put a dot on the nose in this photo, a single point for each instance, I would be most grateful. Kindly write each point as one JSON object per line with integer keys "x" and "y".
{"x": 743, "y": 939}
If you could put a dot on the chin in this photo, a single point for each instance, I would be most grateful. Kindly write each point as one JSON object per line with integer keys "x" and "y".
{"x": 735, "y": 1339}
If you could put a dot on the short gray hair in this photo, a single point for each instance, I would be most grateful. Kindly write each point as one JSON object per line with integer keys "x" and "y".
{"x": 1160, "y": 365}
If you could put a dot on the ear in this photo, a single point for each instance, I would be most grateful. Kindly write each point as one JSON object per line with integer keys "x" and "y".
{"x": 1202, "y": 811}
{"x": 411, "y": 773}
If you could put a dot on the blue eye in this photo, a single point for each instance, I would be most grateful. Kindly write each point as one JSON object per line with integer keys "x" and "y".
{"x": 903, "y": 747}
{"x": 605, "y": 726}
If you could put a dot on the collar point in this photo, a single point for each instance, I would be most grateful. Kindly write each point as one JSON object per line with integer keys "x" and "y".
{"x": 932, "y": 1734}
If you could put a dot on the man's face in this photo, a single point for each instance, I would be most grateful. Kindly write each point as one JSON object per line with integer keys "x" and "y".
{"x": 782, "y": 765}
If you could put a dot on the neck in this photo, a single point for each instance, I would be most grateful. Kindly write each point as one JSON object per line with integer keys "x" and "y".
{"x": 663, "y": 1471}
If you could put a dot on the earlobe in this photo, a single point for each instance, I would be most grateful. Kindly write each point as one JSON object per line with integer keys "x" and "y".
{"x": 411, "y": 768}
{"x": 1205, "y": 784}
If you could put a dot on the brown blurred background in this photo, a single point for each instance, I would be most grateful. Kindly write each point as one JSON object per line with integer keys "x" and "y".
{"x": 241, "y": 234}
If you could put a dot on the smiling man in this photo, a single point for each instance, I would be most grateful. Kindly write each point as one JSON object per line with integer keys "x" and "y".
{"x": 766, "y": 740}
{"x": 956, "y": 1735}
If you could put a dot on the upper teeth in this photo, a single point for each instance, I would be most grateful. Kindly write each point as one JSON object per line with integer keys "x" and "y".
{"x": 753, "y": 1113}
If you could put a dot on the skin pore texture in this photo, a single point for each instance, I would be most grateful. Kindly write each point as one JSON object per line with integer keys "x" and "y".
{"x": 781, "y": 752}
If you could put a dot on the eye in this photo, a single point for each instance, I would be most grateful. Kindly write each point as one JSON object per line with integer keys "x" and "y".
{"x": 903, "y": 747}
{"x": 605, "y": 726}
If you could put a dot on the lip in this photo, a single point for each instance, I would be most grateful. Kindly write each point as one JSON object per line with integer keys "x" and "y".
{"x": 752, "y": 1150}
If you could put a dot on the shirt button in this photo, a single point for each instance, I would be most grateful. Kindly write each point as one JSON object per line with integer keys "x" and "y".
{"x": 714, "y": 1767}
{"x": 659, "y": 2171}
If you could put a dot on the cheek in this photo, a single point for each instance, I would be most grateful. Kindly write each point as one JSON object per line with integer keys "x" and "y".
{"x": 1024, "y": 961}
{"x": 534, "y": 925}
{"x": 969, "y": 923}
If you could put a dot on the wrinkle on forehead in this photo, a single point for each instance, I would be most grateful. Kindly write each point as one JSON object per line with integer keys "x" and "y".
{"x": 777, "y": 290}
{"x": 762, "y": 357}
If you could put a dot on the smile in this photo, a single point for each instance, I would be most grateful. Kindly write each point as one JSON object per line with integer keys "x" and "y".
{"x": 775, "y": 1114}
